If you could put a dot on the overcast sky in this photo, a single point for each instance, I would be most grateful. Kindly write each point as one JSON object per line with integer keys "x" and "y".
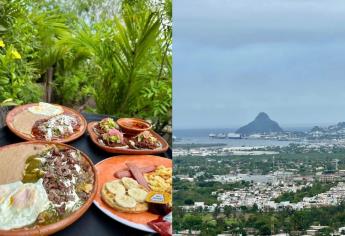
{"x": 236, "y": 58}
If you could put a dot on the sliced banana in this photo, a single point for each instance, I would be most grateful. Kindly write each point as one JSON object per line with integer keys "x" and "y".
{"x": 115, "y": 187}
{"x": 129, "y": 183}
{"x": 138, "y": 194}
{"x": 125, "y": 201}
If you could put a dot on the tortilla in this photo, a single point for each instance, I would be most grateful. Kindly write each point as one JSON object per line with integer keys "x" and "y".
{"x": 12, "y": 161}
{"x": 25, "y": 120}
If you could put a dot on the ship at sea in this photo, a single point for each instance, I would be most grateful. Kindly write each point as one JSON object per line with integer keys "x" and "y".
{"x": 218, "y": 136}
{"x": 234, "y": 136}
{"x": 221, "y": 136}
{"x": 224, "y": 136}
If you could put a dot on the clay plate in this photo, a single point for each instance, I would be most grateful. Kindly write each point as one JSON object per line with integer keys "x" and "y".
{"x": 120, "y": 150}
{"x": 105, "y": 172}
{"x": 53, "y": 228}
{"x": 10, "y": 116}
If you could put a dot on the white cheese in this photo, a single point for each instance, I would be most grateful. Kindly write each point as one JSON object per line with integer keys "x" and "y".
{"x": 71, "y": 205}
{"x": 63, "y": 123}
{"x": 77, "y": 168}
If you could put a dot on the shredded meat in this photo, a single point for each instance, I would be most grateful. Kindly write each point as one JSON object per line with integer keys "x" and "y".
{"x": 60, "y": 169}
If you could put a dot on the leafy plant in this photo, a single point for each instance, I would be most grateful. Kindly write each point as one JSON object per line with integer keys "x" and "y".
{"x": 73, "y": 88}
{"x": 126, "y": 53}
{"x": 17, "y": 77}
{"x": 82, "y": 52}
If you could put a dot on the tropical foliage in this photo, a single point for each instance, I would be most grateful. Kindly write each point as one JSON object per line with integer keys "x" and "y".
{"x": 262, "y": 223}
{"x": 106, "y": 56}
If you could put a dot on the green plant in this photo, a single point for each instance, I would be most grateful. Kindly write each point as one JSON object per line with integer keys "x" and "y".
{"x": 73, "y": 87}
{"x": 17, "y": 77}
{"x": 126, "y": 52}
{"x": 130, "y": 61}
{"x": 34, "y": 33}
{"x": 118, "y": 61}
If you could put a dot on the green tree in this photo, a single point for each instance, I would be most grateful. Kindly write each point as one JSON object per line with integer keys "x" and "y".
{"x": 192, "y": 222}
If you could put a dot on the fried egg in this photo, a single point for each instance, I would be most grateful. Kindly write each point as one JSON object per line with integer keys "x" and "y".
{"x": 7, "y": 189}
{"x": 22, "y": 206}
{"x": 46, "y": 109}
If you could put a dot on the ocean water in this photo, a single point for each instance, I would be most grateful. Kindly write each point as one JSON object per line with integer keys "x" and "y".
{"x": 232, "y": 142}
{"x": 183, "y": 133}
{"x": 200, "y": 136}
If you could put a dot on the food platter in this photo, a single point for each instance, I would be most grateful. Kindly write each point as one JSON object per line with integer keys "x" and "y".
{"x": 25, "y": 121}
{"x": 107, "y": 171}
{"x": 30, "y": 167}
{"x": 126, "y": 149}
{"x": 62, "y": 187}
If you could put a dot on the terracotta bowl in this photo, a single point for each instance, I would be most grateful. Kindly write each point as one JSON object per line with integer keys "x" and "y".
{"x": 60, "y": 225}
{"x": 10, "y": 116}
{"x": 133, "y": 126}
{"x": 119, "y": 150}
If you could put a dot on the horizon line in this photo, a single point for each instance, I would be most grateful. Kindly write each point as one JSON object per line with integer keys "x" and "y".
{"x": 237, "y": 127}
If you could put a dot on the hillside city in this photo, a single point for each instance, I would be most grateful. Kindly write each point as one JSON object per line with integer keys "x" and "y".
{"x": 298, "y": 189}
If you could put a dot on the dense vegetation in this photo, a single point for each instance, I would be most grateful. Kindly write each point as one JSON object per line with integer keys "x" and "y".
{"x": 238, "y": 221}
{"x": 186, "y": 193}
{"x": 105, "y": 56}
{"x": 266, "y": 223}
{"x": 303, "y": 163}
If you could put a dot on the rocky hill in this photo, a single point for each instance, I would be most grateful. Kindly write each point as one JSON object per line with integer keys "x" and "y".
{"x": 261, "y": 124}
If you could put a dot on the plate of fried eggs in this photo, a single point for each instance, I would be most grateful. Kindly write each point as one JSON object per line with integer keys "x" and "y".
{"x": 44, "y": 187}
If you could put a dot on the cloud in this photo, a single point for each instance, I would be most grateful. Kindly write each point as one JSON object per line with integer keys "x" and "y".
{"x": 232, "y": 23}
{"x": 234, "y": 59}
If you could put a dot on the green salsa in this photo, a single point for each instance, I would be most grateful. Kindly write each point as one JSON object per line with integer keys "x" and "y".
{"x": 33, "y": 169}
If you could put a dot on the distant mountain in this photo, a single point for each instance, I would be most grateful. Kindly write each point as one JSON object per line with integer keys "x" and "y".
{"x": 261, "y": 124}
{"x": 338, "y": 128}
{"x": 317, "y": 129}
